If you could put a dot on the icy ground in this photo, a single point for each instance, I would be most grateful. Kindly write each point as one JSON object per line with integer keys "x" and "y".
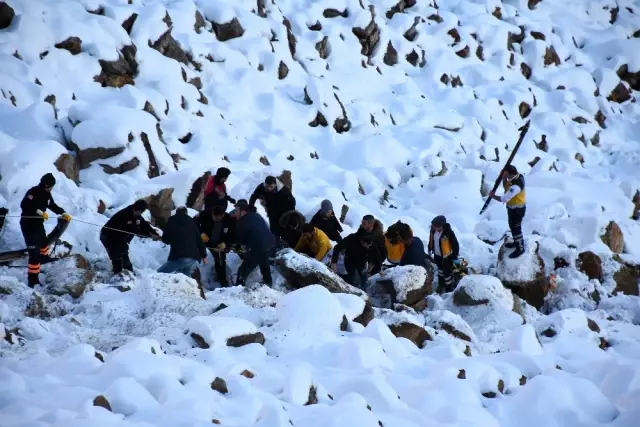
{"x": 402, "y": 109}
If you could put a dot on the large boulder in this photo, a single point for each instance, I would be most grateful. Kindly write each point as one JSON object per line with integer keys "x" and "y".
{"x": 524, "y": 275}
{"x": 300, "y": 271}
{"x": 590, "y": 264}
{"x": 228, "y": 30}
{"x": 406, "y": 284}
{"x": 69, "y": 276}
{"x": 120, "y": 72}
{"x": 613, "y": 238}
{"x": 195, "y": 199}
{"x": 160, "y": 206}
{"x": 6, "y": 15}
{"x": 626, "y": 279}
{"x": 479, "y": 290}
{"x": 405, "y": 324}
{"x": 69, "y": 166}
{"x": 218, "y": 331}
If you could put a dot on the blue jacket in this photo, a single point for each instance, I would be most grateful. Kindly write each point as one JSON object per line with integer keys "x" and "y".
{"x": 253, "y": 233}
{"x": 414, "y": 254}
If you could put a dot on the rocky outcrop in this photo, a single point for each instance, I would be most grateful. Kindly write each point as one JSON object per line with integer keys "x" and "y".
{"x": 229, "y": 30}
{"x": 300, "y": 271}
{"x": 613, "y": 238}
{"x": 69, "y": 166}
{"x": 391, "y": 55}
{"x": 369, "y": 36}
{"x": 160, "y": 206}
{"x": 195, "y": 199}
{"x": 69, "y": 276}
{"x": 6, "y": 15}
{"x": 121, "y": 72}
{"x": 72, "y": 44}
{"x": 85, "y": 157}
{"x": 524, "y": 275}
{"x": 169, "y": 47}
{"x": 400, "y": 7}
{"x": 406, "y": 285}
{"x": 154, "y": 170}
{"x": 590, "y": 264}
{"x": 619, "y": 94}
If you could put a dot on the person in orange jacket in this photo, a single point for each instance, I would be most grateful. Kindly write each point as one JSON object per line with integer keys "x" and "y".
{"x": 313, "y": 242}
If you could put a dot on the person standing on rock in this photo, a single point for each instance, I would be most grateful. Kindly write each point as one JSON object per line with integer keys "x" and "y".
{"x": 444, "y": 246}
{"x": 313, "y": 242}
{"x": 34, "y": 207}
{"x": 278, "y": 200}
{"x": 259, "y": 243}
{"x": 378, "y": 253}
{"x": 356, "y": 248}
{"x": 182, "y": 234}
{"x": 325, "y": 219}
{"x": 515, "y": 198}
{"x": 217, "y": 229}
{"x": 291, "y": 227}
{"x": 118, "y": 232}
{"x": 215, "y": 193}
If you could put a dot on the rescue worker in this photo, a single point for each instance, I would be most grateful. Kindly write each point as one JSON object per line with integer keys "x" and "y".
{"x": 254, "y": 236}
{"x": 325, "y": 219}
{"x": 215, "y": 193}
{"x": 118, "y": 232}
{"x": 373, "y": 226}
{"x": 291, "y": 227}
{"x": 34, "y": 212}
{"x": 393, "y": 243}
{"x": 277, "y": 201}
{"x": 217, "y": 230}
{"x": 356, "y": 248}
{"x": 414, "y": 253}
{"x": 444, "y": 246}
{"x": 313, "y": 242}
{"x": 515, "y": 198}
{"x": 182, "y": 234}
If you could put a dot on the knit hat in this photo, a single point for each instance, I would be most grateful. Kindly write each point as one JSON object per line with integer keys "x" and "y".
{"x": 47, "y": 180}
{"x": 326, "y": 206}
{"x": 140, "y": 205}
{"x": 223, "y": 172}
{"x": 439, "y": 221}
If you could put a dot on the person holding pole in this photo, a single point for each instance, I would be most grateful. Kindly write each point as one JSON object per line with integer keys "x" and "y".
{"x": 515, "y": 198}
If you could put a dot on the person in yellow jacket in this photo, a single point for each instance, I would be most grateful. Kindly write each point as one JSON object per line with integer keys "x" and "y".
{"x": 515, "y": 198}
{"x": 393, "y": 242}
{"x": 313, "y": 242}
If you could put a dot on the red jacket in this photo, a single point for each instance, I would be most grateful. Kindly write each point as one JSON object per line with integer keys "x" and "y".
{"x": 220, "y": 189}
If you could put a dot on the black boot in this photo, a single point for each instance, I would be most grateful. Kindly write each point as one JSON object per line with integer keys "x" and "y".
{"x": 519, "y": 250}
{"x": 510, "y": 245}
{"x": 33, "y": 280}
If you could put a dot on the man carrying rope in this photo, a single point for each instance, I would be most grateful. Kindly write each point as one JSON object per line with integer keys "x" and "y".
{"x": 118, "y": 232}
{"x": 34, "y": 212}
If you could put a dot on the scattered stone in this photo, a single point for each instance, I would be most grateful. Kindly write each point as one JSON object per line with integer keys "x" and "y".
{"x": 549, "y": 332}
{"x": 291, "y": 38}
{"x": 451, "y": 330}
{"x": 320, "y": 120}
{"x": 462, "y": 374}
{"x": 464, "y": 53}
{"x": 127, "y": 24}
{"x": 6, "y": 15}
{"x": 626, "y": 279}
{"x": 219, "y": 385}
{"x": 315, "y": 27}
{"x": 102, "y": 402}
{"x": 283, "y": 70}
{"x": 412, "y": 32}
{"x": 227, "y": 31}
{"x": 525, "y": 70}
{"x": 344, "y": 325}
{"x": 613, "y": 238}
{"x": 121, "y": 168}
{"x": 391, "y": 55}
{"x": 412, "y": 58}
{"x": 366, "y": 316}
{"x": 414, "y": 333}
{"x": 368, "y": 36}
{"x": 334, "y": 13}
{"x": 593, "y": 326}
{"x": 200, "y": 342}
{"x": 601, "y": 119}
{"x": 313, "y": 396}
{"x": 619, "y": 94}
{"x": 120, "y": 72}
{"x": 590, "y": 264}
{"x": 242, "y": 340}
{"x": 153, "y": 170}
{"x": 99, "y": 356}
{"x": 199, "y": 23}
{"x": 322, "y": 47}
{"x": 538, "y": 35}
{"x": 551, "y": 56}
{"x": 632, "y": 78}
{"x": 400, "y": 7}
{"x": 524, "y": 110}
{"x": 247, "y": 374}
{"x": 604, "y": 344}
{"x": 264, "y": 160}
{"x": 436, "y": 18}
{"x": 69, "y": 166}
{"x": 72, "y": 44}
{"x": 533, "y": 3}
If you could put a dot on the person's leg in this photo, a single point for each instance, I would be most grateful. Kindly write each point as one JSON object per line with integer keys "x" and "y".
{"x": 265, "y": 267}
{"x": 32, "y": 237}
{"x": 438, "y": 261}
{"x": 249, "y": 263}
{"x": 170, "y": 266}
{"x": 447, "y": 274}
{"x": 515, "y": 217}
{"x": 220, "y": 267}
{"x": 126, "y": 262}
{"x": 186, "y": 266}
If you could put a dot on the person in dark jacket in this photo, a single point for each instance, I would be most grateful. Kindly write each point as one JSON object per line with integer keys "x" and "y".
{"x": 356, "y": 249}
{"x": 378, "y": 253}
{"x": 34, "y": 212}
{"x": 291, "y": 227}
{"x": 259, "y": 243}
{"x": 444, "y": 246}
{"x": 217, "y": 230}
{"x": 182, "y": 234}
{"x": 277, "y": 199}
{"x": 118, "y": 232}
{"x": 215, "y": 193}
{"x": 325, "y": 219}
{"x": 413, "y": 249}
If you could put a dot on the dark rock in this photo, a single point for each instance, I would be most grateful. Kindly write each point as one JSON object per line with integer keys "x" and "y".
{"x": 593, "y": 326}
{"x": 101, "y": 207}
{"x": 160, "y": 206}
{"x": 368, "y": 36}
{"x": 436, "y": 18}
{"x": 69, "y": 166}
{"x": 291, "y": 38}
{"x": 229, "y": 30}
{"x": 89, "y": 155}
{"x": 464, "y": 53}
{"x": 524, "y": 109}
{"x": 538, "y": 35}
{"x": 590, "y": 264}
{"x": 559, "y": 262}
{"x": 121, "y": 168}
{"x": 6, "y": 15}
{"x": 454, "y": 332}
{"x": 315, "y": 27}
{"x": 127, "y": 24}
{"x": 462, "y": 298}
{"x": 153, "y": 170}
{"x": 525, "y": 70}
{"x": 98, "y": 356}
{"x": 242, "y": 340}
{"x": 219, "y": 385}
{"x": 322, "y": 47}
{"x": 601, "y": 119}
{"x": 414, "y": 333}
{"x": 455, "y": 35}
{"x": 534, "y": 290}
{"x": 195, "y": 199}
{"x": 121, "y": 72}
{"x": 626, "y": 279}
{"x": 515, "y": 38}
{"x": 72, "y": 44}
{"x": 197, "y": 82}
{"x": 632, "y": 78}
{"x": 333, "y": 13}
{"x": 391, "y": 55}
{"x": 169, "y": 47}
{"x": 412, "y": 58}
{"x": 412, "y": 32}
{"x": 185, "y": 139}
{"x": 551, "y": 56}
{"x": 102, "y": 402}
{"x": 341, "y": 124}
{"x": 344, "y": 325}
{"x": 313, "y": 396}
{"x": 199, "y": 22}
{"x": 462, "y": 374}
{"x": 283, "y": 70}
{"x": 400, "y": 7}
{"x": 200, "y": 342}
{"x": 532, "y": 3}
{"x": 549, "y": 332}
{"x": 247, "y": 374}
{"x": 619, "y": 94}
{"x": 366, "y": 316}
{"x": 497, "y": 12}
{"x": 613, "y": 238}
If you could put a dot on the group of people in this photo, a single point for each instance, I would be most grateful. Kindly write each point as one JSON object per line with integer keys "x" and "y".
{"x": 366, "y": 252}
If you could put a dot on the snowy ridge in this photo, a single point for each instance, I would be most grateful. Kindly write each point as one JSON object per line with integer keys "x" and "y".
{"x": 398, "y": 108}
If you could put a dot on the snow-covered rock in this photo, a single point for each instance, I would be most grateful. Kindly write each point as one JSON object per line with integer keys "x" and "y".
{"x": 477, "y": 289}
{"x": 524, "y": 275}
{"x": 218, "y": 331}
{"x": 406, "y": 284}
{"x": 69, "y": 276}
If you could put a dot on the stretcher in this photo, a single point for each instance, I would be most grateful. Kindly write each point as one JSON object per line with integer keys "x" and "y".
{"x": 52, "y": 238}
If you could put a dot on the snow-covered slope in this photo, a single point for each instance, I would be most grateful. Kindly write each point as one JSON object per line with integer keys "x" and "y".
{"x": 402, "y": 109}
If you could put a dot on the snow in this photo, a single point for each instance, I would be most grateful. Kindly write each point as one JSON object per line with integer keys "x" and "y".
{"x": 421, "y": 143}
{"x": 404, "y": 278}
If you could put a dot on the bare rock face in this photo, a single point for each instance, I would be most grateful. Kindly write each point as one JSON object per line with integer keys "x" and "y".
{"x": 69, "y": 276}
{"x": 6, "y": 15}
{"x": 69, "y": 166}
{"x": 300, "y": 271}
{"x": 369, "y": 36}
{"x": 590, "y": 264}
{"x": 169, "y": 47}
{"x": 229, "y": 30}
{"x": 613, "y": 238}
{"x": 121, "y": 72}
{"x": 627, "y": 280}
{"x": 414, "y": 333}
{"x": 524, "y": 275}
{"x": 72, "y": 44}
{"x": 161, "y": 205}
{"x": 195, "y": 199}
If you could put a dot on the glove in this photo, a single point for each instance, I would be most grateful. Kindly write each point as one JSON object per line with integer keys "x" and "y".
{"x": 231, "y": 199}
{"x": 66, "y": 217}
{"x": 204, "y": 237}
{"x": 42, "y": 214}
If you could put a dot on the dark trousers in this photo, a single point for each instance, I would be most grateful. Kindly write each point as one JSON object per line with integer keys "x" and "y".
{"x": 36, "y": 239}
{"x": 118, "y": 252}
{"x": 445, "y": 272}
{"x": 220, "y": 266}
{"x": 515, "y": 217}
{"x": 356, "y": 277}
{"x": 251, "y": 261}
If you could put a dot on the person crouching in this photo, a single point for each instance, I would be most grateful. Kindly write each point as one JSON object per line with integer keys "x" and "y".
{"x": 187, "y": 248}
